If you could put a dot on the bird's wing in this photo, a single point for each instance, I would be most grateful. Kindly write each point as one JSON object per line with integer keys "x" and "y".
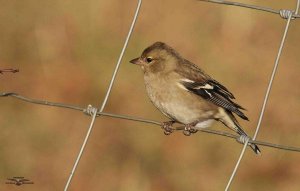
{"x": 199, "y": 83}
{"x": 213, "y": 92}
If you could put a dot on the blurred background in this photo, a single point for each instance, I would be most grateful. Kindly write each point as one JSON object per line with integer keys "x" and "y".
{"x": 66, "y": 52}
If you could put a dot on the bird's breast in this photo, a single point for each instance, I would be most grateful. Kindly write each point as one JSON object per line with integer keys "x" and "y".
{"x": 176, "y": 102}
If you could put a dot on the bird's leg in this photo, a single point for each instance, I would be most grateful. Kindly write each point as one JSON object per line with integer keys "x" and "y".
{"x": 167, "y": 127}
{"x": 189, "y": 128}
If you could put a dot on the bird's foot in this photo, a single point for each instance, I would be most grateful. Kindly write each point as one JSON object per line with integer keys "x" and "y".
{"x": 167, "y": 127}
{"x": 189, "y": 129}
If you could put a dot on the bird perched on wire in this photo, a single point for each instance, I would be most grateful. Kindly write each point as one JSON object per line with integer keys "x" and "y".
{"x": 185, "y": 93}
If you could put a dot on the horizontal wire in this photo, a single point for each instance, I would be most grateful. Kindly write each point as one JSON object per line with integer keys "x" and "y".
{"x": 137, "y": 119}
{"x": 260, "y": 8}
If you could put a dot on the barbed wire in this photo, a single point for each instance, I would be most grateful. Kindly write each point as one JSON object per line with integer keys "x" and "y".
{"x": 94, "y": 112}
{"x": 285, "y": 14}
{"x": 137, "y": 119}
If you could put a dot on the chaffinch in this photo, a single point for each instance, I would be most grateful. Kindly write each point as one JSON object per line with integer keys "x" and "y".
{"x": 185, "y": 93}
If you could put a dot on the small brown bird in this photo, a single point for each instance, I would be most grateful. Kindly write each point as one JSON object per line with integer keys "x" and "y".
{"x": 185, "y": 93}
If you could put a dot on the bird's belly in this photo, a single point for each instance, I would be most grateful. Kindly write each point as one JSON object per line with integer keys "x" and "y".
{"x": 181, "y": 106}
{"x": 185, "y": 113}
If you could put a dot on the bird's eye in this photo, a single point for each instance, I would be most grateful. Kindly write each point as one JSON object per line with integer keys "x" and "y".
{"x": 149, "y": 59}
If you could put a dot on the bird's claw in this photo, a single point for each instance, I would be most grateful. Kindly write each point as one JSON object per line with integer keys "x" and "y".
{"x": 189, "y": 129}
{"x": 167, "y": 127}
{"x": 186, "y": 133}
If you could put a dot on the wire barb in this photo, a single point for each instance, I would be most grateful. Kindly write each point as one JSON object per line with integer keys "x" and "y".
{"x": 2, "y": 71}
{"x": 7, "y": 94}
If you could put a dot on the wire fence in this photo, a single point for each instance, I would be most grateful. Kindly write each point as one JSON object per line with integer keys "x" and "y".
{"x": 285, "y": 14}
{"x": 289, "y": 15}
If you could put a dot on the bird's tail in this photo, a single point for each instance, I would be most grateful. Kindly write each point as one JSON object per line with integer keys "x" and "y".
{"x": 253, "y": 146}
{"x": 241, "y": 132}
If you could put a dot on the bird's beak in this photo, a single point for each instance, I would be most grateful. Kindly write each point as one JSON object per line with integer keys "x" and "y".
{"x": 136, "y": 61}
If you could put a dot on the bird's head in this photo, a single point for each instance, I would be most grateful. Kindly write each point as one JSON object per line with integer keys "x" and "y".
{"x": 159, "y": 57}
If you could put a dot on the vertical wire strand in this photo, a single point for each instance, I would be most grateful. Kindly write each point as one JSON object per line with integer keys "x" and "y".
{"x": 297, "y": 9}
{"x": 121, "y": 56}
{"x": 81, "y": 151}
{"x": 106, "y": 96}
{"x": 265, "y": 100}
{"x": 237, "y": 165}
{"x": 262, "y": 112}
